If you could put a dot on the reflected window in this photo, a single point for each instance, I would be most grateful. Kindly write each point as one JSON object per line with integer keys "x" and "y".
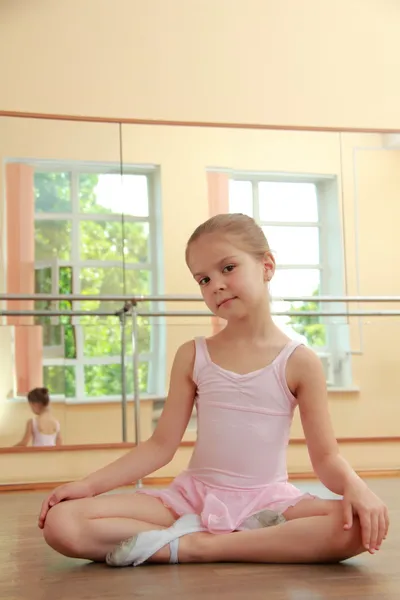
{"x": 95, "y": 234}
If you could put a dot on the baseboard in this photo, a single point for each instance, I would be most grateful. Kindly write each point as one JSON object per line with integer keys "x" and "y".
{"x": 165, "y": 481}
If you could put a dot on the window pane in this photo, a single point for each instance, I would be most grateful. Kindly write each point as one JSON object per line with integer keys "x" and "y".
{"x": 143, "y": 376}
{"x": 309, "y": 327}
{"x": 102, "y": 240}
{"x": 65, "y": 287}
{"x": 43, "y": 281}
{"x": 51, "y": 334}
{"x": 137, "y": 282}
{"x": 136, "y": 242}
{"x": 102, "y": 336}
{"x": 52, "y": 240}
{"x": 52, "y": 192}
{"x": 299, "y": 282}
{"x": 65, "y": 280}
{"x": 58, "y": 333}
{"x": 109, "y": 281}
{"x": 295, "y": 282}
{"x": 114, "y": 194}
{"x": 106, "y": 380}
{"x": 69, "y": 341}
{"x": 241, "y": 197}
{"x": 60, "y": 380}
{"x": 144, "y": 330}
{"x": 58, "y": 340}
{"x": 294, "y": 245}
{"x": 285, "y": 201}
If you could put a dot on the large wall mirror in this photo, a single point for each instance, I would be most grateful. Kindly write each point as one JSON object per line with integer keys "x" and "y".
{"x": 64, "y": 197}
{"x": 104, "y": 210}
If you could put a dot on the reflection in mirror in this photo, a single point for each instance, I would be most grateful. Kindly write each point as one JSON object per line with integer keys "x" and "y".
{"x": 92, "y": 226}
{"x": 84, "y": 229}
{"x": 43, "y": 429}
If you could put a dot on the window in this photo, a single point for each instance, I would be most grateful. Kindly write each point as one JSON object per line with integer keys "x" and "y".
{"x": 300, "y": 217}
{"x": 95, "y": 233}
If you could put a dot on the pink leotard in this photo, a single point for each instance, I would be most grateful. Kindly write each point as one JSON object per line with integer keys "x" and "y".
{"x": 238, "y": 467}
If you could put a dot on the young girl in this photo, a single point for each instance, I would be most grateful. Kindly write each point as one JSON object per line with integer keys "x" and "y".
{"x": 234, "y": 501}
{"x": 45, "y": 429}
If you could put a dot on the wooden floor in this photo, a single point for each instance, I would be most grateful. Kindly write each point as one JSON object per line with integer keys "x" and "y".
{"x": 29, "y": 569}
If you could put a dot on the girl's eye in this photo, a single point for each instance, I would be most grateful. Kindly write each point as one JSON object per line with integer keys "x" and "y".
{"x": 229, "y": 268}
{"x": 204, "y": 281}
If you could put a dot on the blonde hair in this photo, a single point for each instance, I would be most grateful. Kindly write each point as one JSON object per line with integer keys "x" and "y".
{"x": 250, "y": 235}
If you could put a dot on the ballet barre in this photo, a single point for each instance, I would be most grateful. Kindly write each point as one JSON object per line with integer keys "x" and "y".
{"x": 195, "y": 313}
{"x": 186, "y": 298}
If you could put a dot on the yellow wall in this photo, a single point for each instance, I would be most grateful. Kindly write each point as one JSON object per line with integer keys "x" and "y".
{"x": 368, "y": 177}
{"x": 314, "y": 62}
{"x": 7, "y": 366}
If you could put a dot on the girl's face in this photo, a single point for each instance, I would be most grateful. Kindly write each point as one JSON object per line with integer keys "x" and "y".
{"x": 232, "y": 281}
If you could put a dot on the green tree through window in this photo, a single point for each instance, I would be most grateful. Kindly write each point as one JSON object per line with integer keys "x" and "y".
{"x": 306, "y": 325}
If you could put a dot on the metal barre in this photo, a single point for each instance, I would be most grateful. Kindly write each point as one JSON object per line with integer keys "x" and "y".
{"x": 184, "y": 298}
{"x": 56, "y": 313}
{"x": 193, "y": 313}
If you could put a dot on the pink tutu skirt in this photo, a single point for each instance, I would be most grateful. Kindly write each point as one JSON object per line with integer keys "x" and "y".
{"x": 225, "y": 510}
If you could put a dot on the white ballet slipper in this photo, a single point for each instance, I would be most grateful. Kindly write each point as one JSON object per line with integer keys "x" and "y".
{"x": 139, "y": 548}
{"x": 173, "y": 548}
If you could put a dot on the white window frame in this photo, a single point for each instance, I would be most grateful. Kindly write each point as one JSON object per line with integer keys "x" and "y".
{"x": 335, "y": 356}
{"x": 156, "y": 357}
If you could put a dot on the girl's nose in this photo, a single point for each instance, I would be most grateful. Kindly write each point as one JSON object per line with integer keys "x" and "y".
{"x": 218, "y": 285}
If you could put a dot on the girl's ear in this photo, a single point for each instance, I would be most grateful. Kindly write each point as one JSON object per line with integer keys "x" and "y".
{"x": 269, "y": 266}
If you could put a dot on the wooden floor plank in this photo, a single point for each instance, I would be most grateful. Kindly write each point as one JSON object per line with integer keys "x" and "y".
{"x": 29, "y": 569}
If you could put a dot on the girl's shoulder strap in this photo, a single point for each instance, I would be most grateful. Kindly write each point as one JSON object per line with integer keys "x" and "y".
{"x": 201, "y": 357}
{"x": 284, "y": 355}
{"x": 288, "y": 350}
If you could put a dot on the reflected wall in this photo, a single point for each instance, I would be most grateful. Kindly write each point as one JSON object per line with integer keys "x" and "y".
{"x": 327, "y": 201}
{"x": 74, "y": 221}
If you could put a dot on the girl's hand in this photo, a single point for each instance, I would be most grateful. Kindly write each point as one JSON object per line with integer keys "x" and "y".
{"x": 358, "y": 499}
{"x": 69, "y": 491}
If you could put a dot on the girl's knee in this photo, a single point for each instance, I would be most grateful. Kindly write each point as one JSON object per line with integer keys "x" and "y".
{"x": 351, "y": 542}
{"x": 61, "y": 529}
{"x": 343, "y": 543}
{"x": 348, "y": 542}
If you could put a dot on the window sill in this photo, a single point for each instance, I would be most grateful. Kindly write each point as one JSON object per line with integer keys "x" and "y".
{"x": 90, "y": 401}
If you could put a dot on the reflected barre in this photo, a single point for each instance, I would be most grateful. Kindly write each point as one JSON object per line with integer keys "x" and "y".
{"x": 194, "y": 313}
{"x": 186, "y": 298}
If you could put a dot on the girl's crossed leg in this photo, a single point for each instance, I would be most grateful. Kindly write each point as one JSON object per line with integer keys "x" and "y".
{"x": 89, "y": 528}
{"x": 313, "y": 532}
